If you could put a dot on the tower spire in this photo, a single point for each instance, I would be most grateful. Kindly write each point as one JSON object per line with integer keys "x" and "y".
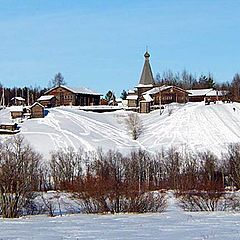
{"x": 146, "y": 76}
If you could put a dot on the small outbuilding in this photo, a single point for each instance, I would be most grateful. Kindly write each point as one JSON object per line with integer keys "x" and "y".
{"x": 17, "y": 101}
{"x": 132, "y": 100}
{"x": 8, "y": 126}
{"x": 37, "y": 110}
{"x": 145, "y": 106}
{"x": 47, "y": 100}
{"x": 16, "y": 112}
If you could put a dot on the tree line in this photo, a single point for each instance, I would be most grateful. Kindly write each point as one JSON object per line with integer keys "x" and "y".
{"x": 30, "y": 94}
{"x": 187, "y": 80}
{"x": 110, "y": 182}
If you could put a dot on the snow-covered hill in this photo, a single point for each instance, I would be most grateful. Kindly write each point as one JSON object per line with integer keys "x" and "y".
{"x": 192, "y": 126}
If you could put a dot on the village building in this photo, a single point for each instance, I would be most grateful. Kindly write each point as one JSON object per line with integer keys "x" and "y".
{"x": 148, "y": 94}
{"x": 167, "y": 94}
{"x": 16, "y": 112}
{"x": 146, "y": 80}
{"x": 47, "y": 101}
{"x": 132, "y": 100}
{"x": 17, "y": 101}
{"x": 207, "y": 95}
{"x": 37, "y": 110}
{"x": 74, "y": 96}
{"x": 9, "y": 128}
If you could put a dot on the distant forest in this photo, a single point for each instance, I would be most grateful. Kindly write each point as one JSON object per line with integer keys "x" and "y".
{"x": 185, "y": 80}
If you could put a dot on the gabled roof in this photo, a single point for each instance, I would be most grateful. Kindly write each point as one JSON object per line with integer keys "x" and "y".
{"x": 36, "y": 103}
{"x": 161, "y": 89}
{"x": 147, "y": 98}
{"x": 16, "y": 109}
{"x": 132, "y": 97}
{"x": 146, "y": 76}
{"x": 199, "y": 92}
{"x": 214, "y": 93}
{"x": 46, "y": 97}
{"x": 18, "y": 98}
{"x": 81, "y": 90}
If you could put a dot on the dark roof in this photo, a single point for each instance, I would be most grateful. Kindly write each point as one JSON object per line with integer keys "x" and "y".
{"x": 147, "y": 76}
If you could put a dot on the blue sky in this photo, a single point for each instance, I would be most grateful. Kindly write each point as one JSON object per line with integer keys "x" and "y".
{"x": 100, "y": 44}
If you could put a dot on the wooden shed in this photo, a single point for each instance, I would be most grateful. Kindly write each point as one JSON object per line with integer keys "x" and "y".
{"x": 132, "y": 100}
{"x": 37, "y": 110}
{"x": 145, "y": 106}
{"x": 16, "y": 112}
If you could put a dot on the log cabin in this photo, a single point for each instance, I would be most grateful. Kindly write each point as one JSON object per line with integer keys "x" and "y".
{"x": 74, "y": 96}
{"x": 37, "y": 110}
{"x": 47, "y": 101}
{"x": 16, "y": 112}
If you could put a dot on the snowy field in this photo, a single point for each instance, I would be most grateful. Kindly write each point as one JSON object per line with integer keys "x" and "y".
{"x": 192, "y": 126}
{"x": 173, "y": 224}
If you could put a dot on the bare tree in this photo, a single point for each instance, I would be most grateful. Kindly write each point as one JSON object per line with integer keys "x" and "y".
{"x": 134, "y": 125}
{"x": 19, "y": 165}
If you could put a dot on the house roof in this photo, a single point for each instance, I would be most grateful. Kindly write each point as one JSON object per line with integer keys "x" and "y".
{"x": 18, "y": 98}
{"x": 156, "y": 90}
{"x": 36, "y": 103}
{"x": 146, "y": 76}
{"x": 46, "y": 97}
{"x": 216, "y": 93}
{"x": 131, "y": 91}
{"x": 199, "y": 92}
{"x": 132, "y": 97}
{"x": 81, "y": 90}
{"x": 147, "y": 98}
{"x": 16, "y": 109}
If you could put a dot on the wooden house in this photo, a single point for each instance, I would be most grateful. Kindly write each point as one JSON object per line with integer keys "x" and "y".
{"x": 167, "y": 94}
{"x": 74, "y": 96}
{"x": 207, "y": 95}
{"x": 47, "y": 100}
{"x": 198, "y": 95}
{"x": 17, "y": 101}
{"x": 16, "y": 112}
{"x": 37, "y": 110}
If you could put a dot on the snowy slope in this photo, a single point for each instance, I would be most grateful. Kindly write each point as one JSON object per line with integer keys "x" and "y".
{"x": 192, "y": 126}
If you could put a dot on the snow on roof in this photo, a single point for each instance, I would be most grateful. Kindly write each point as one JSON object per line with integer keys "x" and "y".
{"x": 37, "y": 103}
{"x": 131, "y": 91}
{"x": 132, "y": 97}
{"x": 82, "y": 90}
{"x": 142, "y": 85}
{"x": 199, "y": 92}
{"x": 216, "y": 93}
{"x": 147, "y": 98}
{"x": 46, "y": 97}
{"x": 16, "y": 109}
{"x": 18, "y": 98}
{"x": 157, "y": 89}
{"x": 7, "y": 124}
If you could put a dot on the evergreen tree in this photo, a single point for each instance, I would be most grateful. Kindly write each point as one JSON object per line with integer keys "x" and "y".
{"x": 123, "y": 95}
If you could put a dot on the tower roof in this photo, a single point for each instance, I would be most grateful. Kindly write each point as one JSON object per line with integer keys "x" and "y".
{"x": 147, "y": 76}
